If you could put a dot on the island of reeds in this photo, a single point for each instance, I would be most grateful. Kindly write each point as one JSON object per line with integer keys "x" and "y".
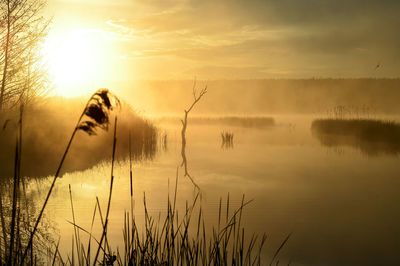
{"x": 371, "y": 136}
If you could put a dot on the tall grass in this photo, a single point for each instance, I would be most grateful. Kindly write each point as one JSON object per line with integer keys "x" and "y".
{"x": 351, "y": 112}
{"x": 183, "y": 238}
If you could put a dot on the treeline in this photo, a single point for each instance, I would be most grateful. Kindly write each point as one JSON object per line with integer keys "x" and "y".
{"x": 270, "y": 96}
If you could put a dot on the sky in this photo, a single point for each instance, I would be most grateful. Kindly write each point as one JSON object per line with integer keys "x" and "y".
{"x": 228, "y": 39}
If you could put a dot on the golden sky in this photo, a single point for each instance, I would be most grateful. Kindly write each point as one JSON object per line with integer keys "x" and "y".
{"x": 110, "y": 40}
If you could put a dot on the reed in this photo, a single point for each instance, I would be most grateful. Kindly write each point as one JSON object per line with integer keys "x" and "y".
{"x": 181, "y": 238}
{"x": 104, "y": 234}
{"x": 351, "y": 112}
{"x": 227, "y": 139}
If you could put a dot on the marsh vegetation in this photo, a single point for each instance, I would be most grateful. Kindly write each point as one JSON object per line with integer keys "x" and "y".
{"x": 370, "y": 136}
{"x": 227, "y": 139}
{"x": 46, "y": 128}
{"x": 358, "y": 127}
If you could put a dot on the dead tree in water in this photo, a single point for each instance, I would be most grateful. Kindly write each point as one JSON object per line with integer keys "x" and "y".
{"x": 196, "y": 98}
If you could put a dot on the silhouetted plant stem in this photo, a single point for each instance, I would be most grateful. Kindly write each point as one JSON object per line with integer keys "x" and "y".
{"x": 104, "y": 234}
{"x": 130, "y": 172}
{"x": 17, "y": 176}
{"x": 76, "y": 232}
{"x": 14, "y": 204}
{"x": 55, "y": 253}
{"x": 102, "y": 224}
{"x": 129, "y": 243}
{"x": 3, "y": 225}
{"x": 279, "y": 249}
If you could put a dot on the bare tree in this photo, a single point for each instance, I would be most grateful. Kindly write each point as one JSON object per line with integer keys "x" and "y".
{"x": 22, "y": 29}
{"x": 196, "y": 99}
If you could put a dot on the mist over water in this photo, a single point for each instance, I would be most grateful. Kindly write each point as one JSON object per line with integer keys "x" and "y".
{"x": 46, "y": 131}
{"x": 337, "y": 197}
{"x": 330, "y": 200}
{"x": 260, "y": 97}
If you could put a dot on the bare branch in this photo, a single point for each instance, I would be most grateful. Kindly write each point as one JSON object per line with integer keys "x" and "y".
{"x": 194, "y": 89}
{"x": 183, "y": 132}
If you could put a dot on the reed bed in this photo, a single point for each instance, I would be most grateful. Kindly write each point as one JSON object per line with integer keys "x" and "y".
{"x": 180, "y": 238}
{"x": 372, "y": 136}
{"x": 352, "y": 112}
{"x": 365, "y": 129}
{"x": 46, "y": 128}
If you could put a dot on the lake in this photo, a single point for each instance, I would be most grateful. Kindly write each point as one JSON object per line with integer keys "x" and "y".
{"x": 339, "y": 203}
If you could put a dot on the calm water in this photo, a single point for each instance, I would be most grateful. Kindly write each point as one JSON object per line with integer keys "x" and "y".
{"x": 340, "y": 204}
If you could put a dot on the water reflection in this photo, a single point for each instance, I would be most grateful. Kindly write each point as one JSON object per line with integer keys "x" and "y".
{"x": 26, "y": 214}
{"x": 371, "y": 137}
{"x": 232, "y": 121}
{"x": 366, "y": 147}
{"x": 342, "y": 210}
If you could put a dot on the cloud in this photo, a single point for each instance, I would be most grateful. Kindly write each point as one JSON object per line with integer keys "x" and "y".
{"x": 317, "y": 35}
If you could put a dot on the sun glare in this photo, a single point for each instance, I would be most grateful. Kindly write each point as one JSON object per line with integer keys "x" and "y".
{"x": 74, "y": 61}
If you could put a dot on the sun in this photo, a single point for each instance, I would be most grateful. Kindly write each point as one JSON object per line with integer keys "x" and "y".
{"x": 74, "y": 61}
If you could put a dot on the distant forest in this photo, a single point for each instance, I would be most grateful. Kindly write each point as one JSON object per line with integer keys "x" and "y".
{"x": 268, "y": 96}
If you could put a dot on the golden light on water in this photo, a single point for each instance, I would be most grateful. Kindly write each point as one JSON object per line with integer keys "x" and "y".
{"x": 75, "y": 60}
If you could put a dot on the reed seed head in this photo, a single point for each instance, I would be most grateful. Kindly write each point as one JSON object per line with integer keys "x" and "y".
{"x": 97, "y": 111}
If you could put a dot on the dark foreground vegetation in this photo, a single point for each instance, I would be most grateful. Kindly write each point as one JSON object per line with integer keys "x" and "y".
{"x": 370, "y": 136}
{"x": 178, "y": 239}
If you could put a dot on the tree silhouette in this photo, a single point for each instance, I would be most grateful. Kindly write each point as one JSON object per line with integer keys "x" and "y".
{"x": 22, "y": 29}
{"x": 196, "y": 99}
